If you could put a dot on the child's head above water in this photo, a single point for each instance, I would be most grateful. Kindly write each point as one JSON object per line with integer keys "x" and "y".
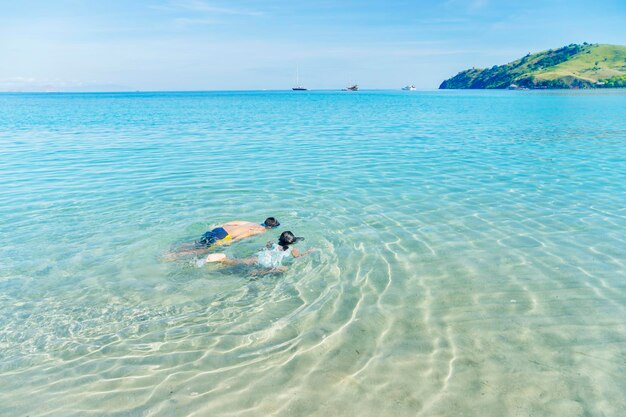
{"x": 287, "y": 238}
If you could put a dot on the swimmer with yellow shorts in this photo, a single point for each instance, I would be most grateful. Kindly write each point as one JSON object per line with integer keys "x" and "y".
{"x": 223, "y": 235}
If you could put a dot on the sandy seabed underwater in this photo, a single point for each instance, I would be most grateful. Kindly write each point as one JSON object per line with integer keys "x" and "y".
{"x": 471, "y": 263}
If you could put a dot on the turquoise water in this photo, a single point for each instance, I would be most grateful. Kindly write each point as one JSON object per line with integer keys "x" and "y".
{"x": 472, "y": 254}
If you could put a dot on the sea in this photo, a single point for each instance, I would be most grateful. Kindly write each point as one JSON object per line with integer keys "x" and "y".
{"x": 470, "y": 254}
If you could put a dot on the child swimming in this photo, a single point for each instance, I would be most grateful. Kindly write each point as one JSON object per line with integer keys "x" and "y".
{"x": 271, "y": 257}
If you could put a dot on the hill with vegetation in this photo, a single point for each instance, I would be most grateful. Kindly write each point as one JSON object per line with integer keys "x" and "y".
{"x": 572, "y": 66}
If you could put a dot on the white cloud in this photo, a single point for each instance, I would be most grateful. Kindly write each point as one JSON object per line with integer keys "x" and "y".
{"x": 19, "y": 83}
{"x": 478, "y": 4}
{"x": 31, "y": 84}
{"x": 206, "y": 8}
{"x": 470, "y": 5}
{"x": 190, "y": 21}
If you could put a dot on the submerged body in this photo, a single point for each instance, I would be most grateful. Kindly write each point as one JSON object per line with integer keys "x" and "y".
{"x": 223, "y": 235}
{"x": 273, "y": 257}
{"x": 270, "y": 258}
{"x": 231, "y": 231}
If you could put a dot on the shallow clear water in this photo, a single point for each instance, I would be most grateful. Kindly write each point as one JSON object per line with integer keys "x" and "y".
{"x": 472, "y": 254}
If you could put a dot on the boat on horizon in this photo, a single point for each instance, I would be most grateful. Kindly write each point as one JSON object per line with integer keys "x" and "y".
{"x": 298, "y": 87}
{"x": 409, "y": 88}
{"x": 354, "y": 87}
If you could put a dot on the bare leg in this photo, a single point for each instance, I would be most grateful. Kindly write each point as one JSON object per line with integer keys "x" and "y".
{"x": 244, "y": 261}
{"x": 187, "y": 249}
{"x": 220, "y": 257}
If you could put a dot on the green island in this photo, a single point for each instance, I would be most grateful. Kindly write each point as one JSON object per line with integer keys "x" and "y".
{"x": 572, "y": 66}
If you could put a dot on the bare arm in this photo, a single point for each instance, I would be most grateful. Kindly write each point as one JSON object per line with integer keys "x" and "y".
{"x": 296, "y": 253}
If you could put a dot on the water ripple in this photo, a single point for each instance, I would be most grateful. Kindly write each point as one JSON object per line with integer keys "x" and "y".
{"x": 471, "y": 254}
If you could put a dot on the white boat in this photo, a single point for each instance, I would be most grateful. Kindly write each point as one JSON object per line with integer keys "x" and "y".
{"x": 298, "y": 87}
{"x": 409, "y": 88}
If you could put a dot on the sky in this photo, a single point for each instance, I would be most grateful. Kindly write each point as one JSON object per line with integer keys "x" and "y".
{"x": 174, "y": 45}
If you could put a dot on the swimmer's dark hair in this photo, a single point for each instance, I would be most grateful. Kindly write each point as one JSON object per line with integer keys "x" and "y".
{"x": 271, "y": 222}
{"x": 287, "y": 238}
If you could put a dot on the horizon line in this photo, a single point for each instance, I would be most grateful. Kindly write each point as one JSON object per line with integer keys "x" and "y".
{"x": 208, "y": 91}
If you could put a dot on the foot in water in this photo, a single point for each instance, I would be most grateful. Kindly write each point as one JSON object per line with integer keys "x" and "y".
{"x": 215, "y": 257}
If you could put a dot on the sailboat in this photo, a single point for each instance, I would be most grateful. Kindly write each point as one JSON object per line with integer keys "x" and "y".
{"x": 298, "y": 87}
{"x": 409, "y": 88}
{"x": 354, "y": 87}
